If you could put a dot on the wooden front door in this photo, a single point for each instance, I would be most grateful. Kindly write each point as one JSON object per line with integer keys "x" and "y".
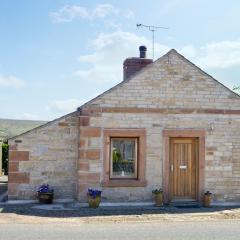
{"x": 183, "y": 169}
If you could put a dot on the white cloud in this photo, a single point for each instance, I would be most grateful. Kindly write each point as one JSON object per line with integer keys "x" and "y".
{"x": 11, "y": 81}
{"x": 65, "y": 106}
{"x": 103, "y": 10}
{"x": 69, "y": 13}
{"x": 216, "y": 55}
{"x": 30, "y": 116}
{"x": 110, "y": 50}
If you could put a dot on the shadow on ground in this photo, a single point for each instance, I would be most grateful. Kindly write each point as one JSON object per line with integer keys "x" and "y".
{"x": 31, "y": 210}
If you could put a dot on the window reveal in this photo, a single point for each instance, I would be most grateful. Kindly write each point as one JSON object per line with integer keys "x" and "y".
{"x": 123, "y": 159}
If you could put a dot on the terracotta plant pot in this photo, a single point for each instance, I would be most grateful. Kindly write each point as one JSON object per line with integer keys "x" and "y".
{"x": 158, "y": 197}
{"x": 45, "y": 198}
{"x": 94, "y": 202}
{"x": 207, "y": 199}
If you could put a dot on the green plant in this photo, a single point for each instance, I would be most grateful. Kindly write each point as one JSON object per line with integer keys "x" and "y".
{"x": 116, "y": 156}
{"x": 157, "y": 191}
{"x": 207, "y": 193}
{"x": 94, "y": 197}
{"x": 5, "y": 148}
{"x": 45, "y": 194}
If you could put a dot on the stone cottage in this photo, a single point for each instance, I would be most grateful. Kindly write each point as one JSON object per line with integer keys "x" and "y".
{"x": 167, "y": 124}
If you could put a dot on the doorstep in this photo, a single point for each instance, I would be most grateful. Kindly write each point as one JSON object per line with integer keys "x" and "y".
{"x": 185, "y": 204}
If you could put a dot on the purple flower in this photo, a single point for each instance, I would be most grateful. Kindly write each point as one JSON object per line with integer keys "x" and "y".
{"x": 94, "y": 193}
{"x": 45, "y": 189}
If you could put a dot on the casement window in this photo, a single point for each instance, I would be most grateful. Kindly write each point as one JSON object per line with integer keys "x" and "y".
{"x": 124, "y": 158}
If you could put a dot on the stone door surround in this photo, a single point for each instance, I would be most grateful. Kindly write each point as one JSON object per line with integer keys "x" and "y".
{"x": 178, "y": 133}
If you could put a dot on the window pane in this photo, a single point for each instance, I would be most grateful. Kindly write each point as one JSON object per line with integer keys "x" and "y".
{"x": 123, "y": 157}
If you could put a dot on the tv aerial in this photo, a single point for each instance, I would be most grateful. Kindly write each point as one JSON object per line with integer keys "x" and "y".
{"x": 153, "y": 29}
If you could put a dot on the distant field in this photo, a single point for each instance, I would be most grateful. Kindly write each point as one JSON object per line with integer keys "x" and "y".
{"x": 10, "y": 127}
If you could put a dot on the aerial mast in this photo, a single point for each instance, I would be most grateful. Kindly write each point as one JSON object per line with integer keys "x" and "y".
{"x": 152, "y": 29}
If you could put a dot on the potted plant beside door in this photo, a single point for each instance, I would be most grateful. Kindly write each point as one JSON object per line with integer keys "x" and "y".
{"x": 94, "y": 197}
{"x": 45, "y": 194}
{"x": 207, "y": 199}
{"x": 158, "y": 197}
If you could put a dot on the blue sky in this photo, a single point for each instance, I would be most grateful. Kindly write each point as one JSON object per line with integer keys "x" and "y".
{"x": 55, "y": 55}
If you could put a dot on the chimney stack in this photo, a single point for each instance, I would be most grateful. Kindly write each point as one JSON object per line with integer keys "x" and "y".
{"x": 133, "y": 65}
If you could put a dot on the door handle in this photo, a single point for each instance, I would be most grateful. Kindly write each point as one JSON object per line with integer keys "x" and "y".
{"x": 171, "y": 167}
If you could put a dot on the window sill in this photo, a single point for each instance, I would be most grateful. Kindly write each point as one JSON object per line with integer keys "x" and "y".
{"x": 124, "y": 183}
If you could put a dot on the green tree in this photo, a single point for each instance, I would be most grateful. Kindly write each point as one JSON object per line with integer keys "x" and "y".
{"x": 5, "y": 147}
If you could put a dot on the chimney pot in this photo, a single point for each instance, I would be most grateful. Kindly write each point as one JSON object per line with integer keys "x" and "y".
{"x": 143, "y": 51}
{"x": 133, "y": 65}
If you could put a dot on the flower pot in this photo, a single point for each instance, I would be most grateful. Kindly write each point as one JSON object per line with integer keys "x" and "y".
{"x": 158, "y": 197}
{"x": 45, "y": 198}
{"x": 94, "y": 202}
{"x": 207, "y": 199}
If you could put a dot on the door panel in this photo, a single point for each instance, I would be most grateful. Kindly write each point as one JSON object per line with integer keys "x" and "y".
{"x": 183, "y": 168}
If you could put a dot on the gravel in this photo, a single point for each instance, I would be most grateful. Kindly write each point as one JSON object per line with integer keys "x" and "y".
{"x": 73, "y": 210}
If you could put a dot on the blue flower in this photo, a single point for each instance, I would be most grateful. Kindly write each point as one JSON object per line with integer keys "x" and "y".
{"x": 45, "y": 188}
{"x": 94, "y": 193}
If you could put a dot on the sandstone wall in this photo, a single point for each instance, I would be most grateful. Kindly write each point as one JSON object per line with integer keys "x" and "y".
{"x": 45, "y": 155}
{"x": 169, "y": 94}
{"x": 222, "y": 153}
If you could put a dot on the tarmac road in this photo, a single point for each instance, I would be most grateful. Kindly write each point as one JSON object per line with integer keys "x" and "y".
{"x": 220, "y": 230}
